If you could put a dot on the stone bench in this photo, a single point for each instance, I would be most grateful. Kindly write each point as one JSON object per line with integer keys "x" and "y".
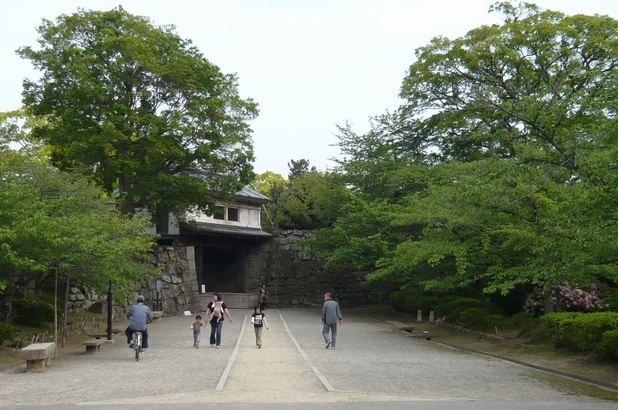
{"x": 93, "y": 345}
{"x": 156, "y": 315}
{"x": 104, "y": 334}
{"x": 38, "y": 355}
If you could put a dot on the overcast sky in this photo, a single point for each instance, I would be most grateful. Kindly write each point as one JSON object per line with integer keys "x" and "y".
{"x": 310, "y": 65}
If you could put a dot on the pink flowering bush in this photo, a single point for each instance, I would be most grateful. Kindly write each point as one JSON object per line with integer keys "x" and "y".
{"x": 565, "y": 298}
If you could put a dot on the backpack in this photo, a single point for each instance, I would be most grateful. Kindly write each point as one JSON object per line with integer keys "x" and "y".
{"x": 216, "y": 309}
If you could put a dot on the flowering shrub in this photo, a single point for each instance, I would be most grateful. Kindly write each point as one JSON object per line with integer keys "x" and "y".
{"x": 565, "y": 298}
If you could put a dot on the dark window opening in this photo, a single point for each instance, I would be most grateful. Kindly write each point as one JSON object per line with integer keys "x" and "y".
{"x": 219, "y": 213}
{"x": 232, "y": 214}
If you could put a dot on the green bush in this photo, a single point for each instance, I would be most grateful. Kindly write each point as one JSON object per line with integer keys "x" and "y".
{"x": 585, "y": 331}
{"x": 589, "y": 328}
{"x": 452, "y": 308}
{"x": 493, "y": 320}
{"x": 470, "y": 316}
{"x": 34, "y": 311}
{"x": 559, "y": 326}
{"x": 7, "y": 332}
{"x": 410, "y": 301}
{"x": 609, "y": 345}
{"x": 524, "y": 320}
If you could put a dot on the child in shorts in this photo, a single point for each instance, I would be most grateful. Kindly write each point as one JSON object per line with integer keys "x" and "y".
{"x": 197, "y": 331}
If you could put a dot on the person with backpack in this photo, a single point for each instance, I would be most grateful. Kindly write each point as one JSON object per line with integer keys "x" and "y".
{"x": 214, "y": 313}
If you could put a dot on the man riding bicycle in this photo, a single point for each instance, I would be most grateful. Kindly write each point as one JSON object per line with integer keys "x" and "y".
{"x": 139, "y": 314}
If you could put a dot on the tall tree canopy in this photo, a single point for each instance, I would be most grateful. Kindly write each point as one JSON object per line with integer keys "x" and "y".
{"x": 56, "y": 222}
{"x": 140, "y": 110}
{"x": 500, "y": 167}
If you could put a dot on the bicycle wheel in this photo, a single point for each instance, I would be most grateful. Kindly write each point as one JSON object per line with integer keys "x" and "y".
{"x": 138, "y": 346}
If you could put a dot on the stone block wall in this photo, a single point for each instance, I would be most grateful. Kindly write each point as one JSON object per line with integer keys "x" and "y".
{"x": 81, "y": 299}
{"x": 179, "y": 281}
{"x": 294, "y": 277}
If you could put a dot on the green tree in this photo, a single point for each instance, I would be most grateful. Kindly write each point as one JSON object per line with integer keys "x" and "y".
{"x": 16, "y": 130}
{"x": 298, "y": 168}
{"x": 56, "y": 222}
{"x": 272, "y": 185}
{"x": 139, "y": 109}
{"x": 524, "y": 113}
{"x": 499, "y": 170}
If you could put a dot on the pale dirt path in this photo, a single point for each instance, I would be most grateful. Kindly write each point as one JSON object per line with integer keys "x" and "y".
{"x": 276, "y": 372}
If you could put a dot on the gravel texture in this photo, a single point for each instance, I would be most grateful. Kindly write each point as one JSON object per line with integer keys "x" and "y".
{"x": 373, "y": 362}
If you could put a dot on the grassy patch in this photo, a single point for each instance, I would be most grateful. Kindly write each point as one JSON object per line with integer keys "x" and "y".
{"x": 577, "y": 387}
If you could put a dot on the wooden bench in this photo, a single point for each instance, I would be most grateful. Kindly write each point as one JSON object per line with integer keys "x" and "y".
{"x": 38, "y": 355}
{"x": 93, "y": 345}
{"x": 156, "y": 315}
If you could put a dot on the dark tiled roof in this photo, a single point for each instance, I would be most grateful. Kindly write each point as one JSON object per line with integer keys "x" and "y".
{"x": 250, "y": 195}
{"x": 228, "y": 230}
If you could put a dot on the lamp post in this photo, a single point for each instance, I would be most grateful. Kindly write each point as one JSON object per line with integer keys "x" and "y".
{"x": 109, "y": 311}
{"x": 112, "y": 206}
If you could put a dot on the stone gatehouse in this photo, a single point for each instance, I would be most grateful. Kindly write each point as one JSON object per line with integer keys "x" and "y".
{"x": 292, "y": 275}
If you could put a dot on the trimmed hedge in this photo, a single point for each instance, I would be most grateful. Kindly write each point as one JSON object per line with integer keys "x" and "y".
{"x": 410, "y": 301}
{"x": 560, "y": 327}
{"x": 609, "y": 345}
{"x": 597, "y": 332}
{"x": 452, "y": 307}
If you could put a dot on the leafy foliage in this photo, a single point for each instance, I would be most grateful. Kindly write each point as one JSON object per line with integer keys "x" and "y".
{"x": 35, "y": 310}
{"x": 308, "y": 200}
{"x": 499, "y": 168}
{"x": 586, "y": 331}
{"x": 55, "y": 222}
{"x": 7, "y": 332}
{"x": 137, "y": 108}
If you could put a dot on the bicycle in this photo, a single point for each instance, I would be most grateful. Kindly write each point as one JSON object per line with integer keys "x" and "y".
{"x": 137, "y": 339}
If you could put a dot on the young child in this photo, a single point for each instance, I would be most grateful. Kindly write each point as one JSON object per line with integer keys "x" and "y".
{"x": 197, "y": 331}
{"x": 259, "y": 321}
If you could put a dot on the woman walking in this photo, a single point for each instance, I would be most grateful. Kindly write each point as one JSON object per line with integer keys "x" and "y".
{"x": 214, "y": 313}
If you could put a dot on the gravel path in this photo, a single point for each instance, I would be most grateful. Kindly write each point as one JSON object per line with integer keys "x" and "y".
{"x": 373, "y": 362}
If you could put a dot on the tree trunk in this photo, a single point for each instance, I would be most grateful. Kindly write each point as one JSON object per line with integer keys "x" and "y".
{"x": 124, "y": 185}
{"x": 66, "y": 309}
{"x": 6, "y": 309}
{"x": 549, "y": 306}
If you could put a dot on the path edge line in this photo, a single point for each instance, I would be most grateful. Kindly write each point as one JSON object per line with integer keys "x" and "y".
{"x": 325, "y": 382}
{"x": 230, "y": 362}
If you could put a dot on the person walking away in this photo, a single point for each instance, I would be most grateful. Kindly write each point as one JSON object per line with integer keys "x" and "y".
{"x": 258, "y": 319}
{"x": 139, "y": 315}
{"x": 263, "y": 298}
{"x": 197, "y": 331}
{"x": 330, "y": 315}
{"x": 214, "y": 313}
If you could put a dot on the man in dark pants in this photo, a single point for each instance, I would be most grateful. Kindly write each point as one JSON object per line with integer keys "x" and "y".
{"x": 330, "y": 315}
{"x": 139, "y": 314}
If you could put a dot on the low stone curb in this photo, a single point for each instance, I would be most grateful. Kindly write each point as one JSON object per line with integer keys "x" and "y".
{"x": 590, "y": 380}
